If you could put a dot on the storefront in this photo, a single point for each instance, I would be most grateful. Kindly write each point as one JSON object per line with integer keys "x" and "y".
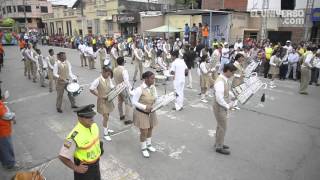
{"x": 127, "y": 23}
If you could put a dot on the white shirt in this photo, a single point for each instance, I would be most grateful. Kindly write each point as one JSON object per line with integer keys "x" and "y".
{"x": 161, "y": 63}
{"x": 225, "y": 52}
{"x": 238, "y": 45}
{"x": 48, "y": 62}
{"x": 114, "y": 53}
{"x": 94, "y": 85}
{"x": 125, "y": 76}
{"x": 289, "y": 48}
{"x": 293, "y": 58}
{"x": 82, "y": 48}
{"x": 88, "y": 51}
{"x": 203, "y": 68}
{"x": 165, "y": 49}
{"x": 137, "y": 94}
{"x": 44, "y": 62}
{"x": 178, "y": 67}
{"x": 272, "y": 59}
{"x": 55, "y": 69}
{"x": 215, "y": 55}
{"x": 308, "y": 59}
{"x": 219, "y": 92}
{"x": 136, "y": 54}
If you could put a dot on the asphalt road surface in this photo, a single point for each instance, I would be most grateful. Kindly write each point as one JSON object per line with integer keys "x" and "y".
{"x": 278, "y": 139}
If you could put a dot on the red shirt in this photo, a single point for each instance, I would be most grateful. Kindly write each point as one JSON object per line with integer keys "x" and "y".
{"x": 5, "y": 125}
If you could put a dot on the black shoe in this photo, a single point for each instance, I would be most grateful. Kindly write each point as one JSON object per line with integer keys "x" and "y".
{"x": 225, "y": 147}
{"x": 59, "y": 110}
{"x": 127, "y": 122}
{"x": 122, "y": 118}
{"x": 223, "y": 151}
{"x": 74, "y": 106}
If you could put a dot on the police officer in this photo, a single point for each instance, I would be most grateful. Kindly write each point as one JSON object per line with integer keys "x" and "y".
{"x": 83, "y": 146}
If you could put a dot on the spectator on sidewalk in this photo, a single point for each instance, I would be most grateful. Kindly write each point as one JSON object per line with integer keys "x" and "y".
{"x": 7, "y": 157}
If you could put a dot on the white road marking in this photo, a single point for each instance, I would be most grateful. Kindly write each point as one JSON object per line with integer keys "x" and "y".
{"x": 29, "y": 97}
{"x": 111, "y": 168}
{"x": 176, "y": 154}
{"x": 169, "y": 150}
{"x": 200, "y": 105}
{"x": 211, "y": 132}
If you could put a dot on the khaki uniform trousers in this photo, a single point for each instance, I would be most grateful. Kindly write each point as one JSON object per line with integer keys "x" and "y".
{"x": 34, "y": 70}
{"x": 60, "y": 87}
{"x": 91, "y": 62}
{"x": 305, "y": 79}
{"x": 220, "y": 114}
{"x": 83, "y": 59}
{"x": 51, "y": 79}
{"x": 137, "y": 66}
{"x": 122, "y": 98}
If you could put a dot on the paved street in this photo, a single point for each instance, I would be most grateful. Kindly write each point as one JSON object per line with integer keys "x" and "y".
{"x": 278, "y": 139}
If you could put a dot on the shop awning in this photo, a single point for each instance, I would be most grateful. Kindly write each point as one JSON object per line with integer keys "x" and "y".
{"x": 165, "y": 29}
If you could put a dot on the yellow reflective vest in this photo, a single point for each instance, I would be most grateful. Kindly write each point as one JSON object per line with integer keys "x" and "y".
{"x": 269, "y": 51}
{"x": 87, "y": 143}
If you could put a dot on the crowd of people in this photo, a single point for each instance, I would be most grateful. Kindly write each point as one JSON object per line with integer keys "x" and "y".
{"x": 221, "y": 66}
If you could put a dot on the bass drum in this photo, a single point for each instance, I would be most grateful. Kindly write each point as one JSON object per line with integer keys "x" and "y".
{"x": 74, "y": 88}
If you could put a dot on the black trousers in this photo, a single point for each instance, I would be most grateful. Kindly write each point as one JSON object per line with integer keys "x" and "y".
{"x": 283, "y": 71}
{"x": 266, "y": 69}
{"x": 314, "y": 75}
{"x": 93, "y": 172}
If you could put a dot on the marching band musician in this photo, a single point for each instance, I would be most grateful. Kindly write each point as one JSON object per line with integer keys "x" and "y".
{"x": 274, "y": 70}
{"x": 102, "y": 54}
{"x": 100, "y": 87}
{"x": 161, "y": 65}
{"x": 81, "y": 49}
{"x": 204, "y": 77}
{"x": 166, "y": 52}
{"x": 306, "y": 70}
{"x": 121, "y": 75}
{"x": 29, "y": 54}
{"x": 153, "y": 55}
{"x": 239, "y": 73}
{"x": 225, "y": 53}
{"x": 179, "y": 69}
{"x": 90, "y": 55}
{"x": 221, "y": 106}
{"x": 114, "y": 56}
{"x": 121, "y": 47}
{"x": 51, "y": 60}
{"x": 27, "y": 58}
{"x": 147, "y": 51}
{"x": 42, "y": 67}
{"x": 138, "y": 58}
{"x": 63, "y": 73}
{"x": 143, "y": 99}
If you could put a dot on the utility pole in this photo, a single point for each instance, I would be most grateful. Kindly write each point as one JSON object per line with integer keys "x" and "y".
{"x": 25, "y": 15}
{"x": 309, "y": 7}
{"x": 82, "y": 17}
{"x": 263, "y": 30}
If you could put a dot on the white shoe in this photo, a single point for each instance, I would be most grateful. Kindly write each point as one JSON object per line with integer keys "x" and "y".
{"x": 204, "y": 100}
{"x": 210, "y": 95}
{"x": 151, "y": 148}
{"x": 110, "y": 131}
{"x": 107, "y": 138}
{"x": 145, "y": 153}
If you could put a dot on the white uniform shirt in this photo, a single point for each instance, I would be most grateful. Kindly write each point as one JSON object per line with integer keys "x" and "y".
{"x": 81, "y": 48}
{"x": 238, "y": 45}
{"x": 308, "y": 59}
{"x": 179, "y": 66}
{"x": 219, "y": 92}
{"x": 203, "y": 68}
{"x": 55, "y": 69}
{"x": 161, "y": 63}
{"x": 225, "y": 52}
{"x": 88, "y": 51}
{"x": 114, "y": 53}
{"x": 94, "y": 85}
{"x": 137, "y": 94}
{"x": 125, "y": 76}
{"x": 48, "y": 62}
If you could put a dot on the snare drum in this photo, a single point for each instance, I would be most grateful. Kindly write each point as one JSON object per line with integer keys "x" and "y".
{"x": 160, "y": 78}
{"x": 74, "y": 88}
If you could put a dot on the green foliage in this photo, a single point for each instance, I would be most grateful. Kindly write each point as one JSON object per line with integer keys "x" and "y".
{"x": 8, "y": 22}
{"x": 8, "y": 37}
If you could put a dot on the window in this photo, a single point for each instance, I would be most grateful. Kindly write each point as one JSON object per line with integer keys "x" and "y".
{"x": 29, "y": 20}
{"x": 37, "y": 7}
{"x": 8, "y": 9}
{"x": 44, "y": 9}
{"x": 28, "y": 8}
{"x": 20, "y": 9}
{"x": 3, "y": 10}
{"x": 14, "y": 9}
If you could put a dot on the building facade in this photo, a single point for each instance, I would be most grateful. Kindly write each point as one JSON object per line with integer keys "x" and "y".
{"x": 25, "y": 10}
{"x": 112, "y": 17}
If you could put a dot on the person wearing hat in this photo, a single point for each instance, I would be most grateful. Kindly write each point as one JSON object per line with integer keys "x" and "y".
{"x": 143, "y": 99}
{"x": 114, "y": 55}
{"x": 82, "y": 149}
{"x": 100, "y": 87}
{"x": 63, "y": 73}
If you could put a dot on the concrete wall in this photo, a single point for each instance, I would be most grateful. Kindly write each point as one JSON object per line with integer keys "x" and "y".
{"x": 240, "y": 5}
{"x": 150, "y": 22}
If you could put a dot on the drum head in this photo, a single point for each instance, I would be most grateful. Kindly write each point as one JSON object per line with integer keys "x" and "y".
{"x": 160, "y": 77}
{"x": 73, "y": 87}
